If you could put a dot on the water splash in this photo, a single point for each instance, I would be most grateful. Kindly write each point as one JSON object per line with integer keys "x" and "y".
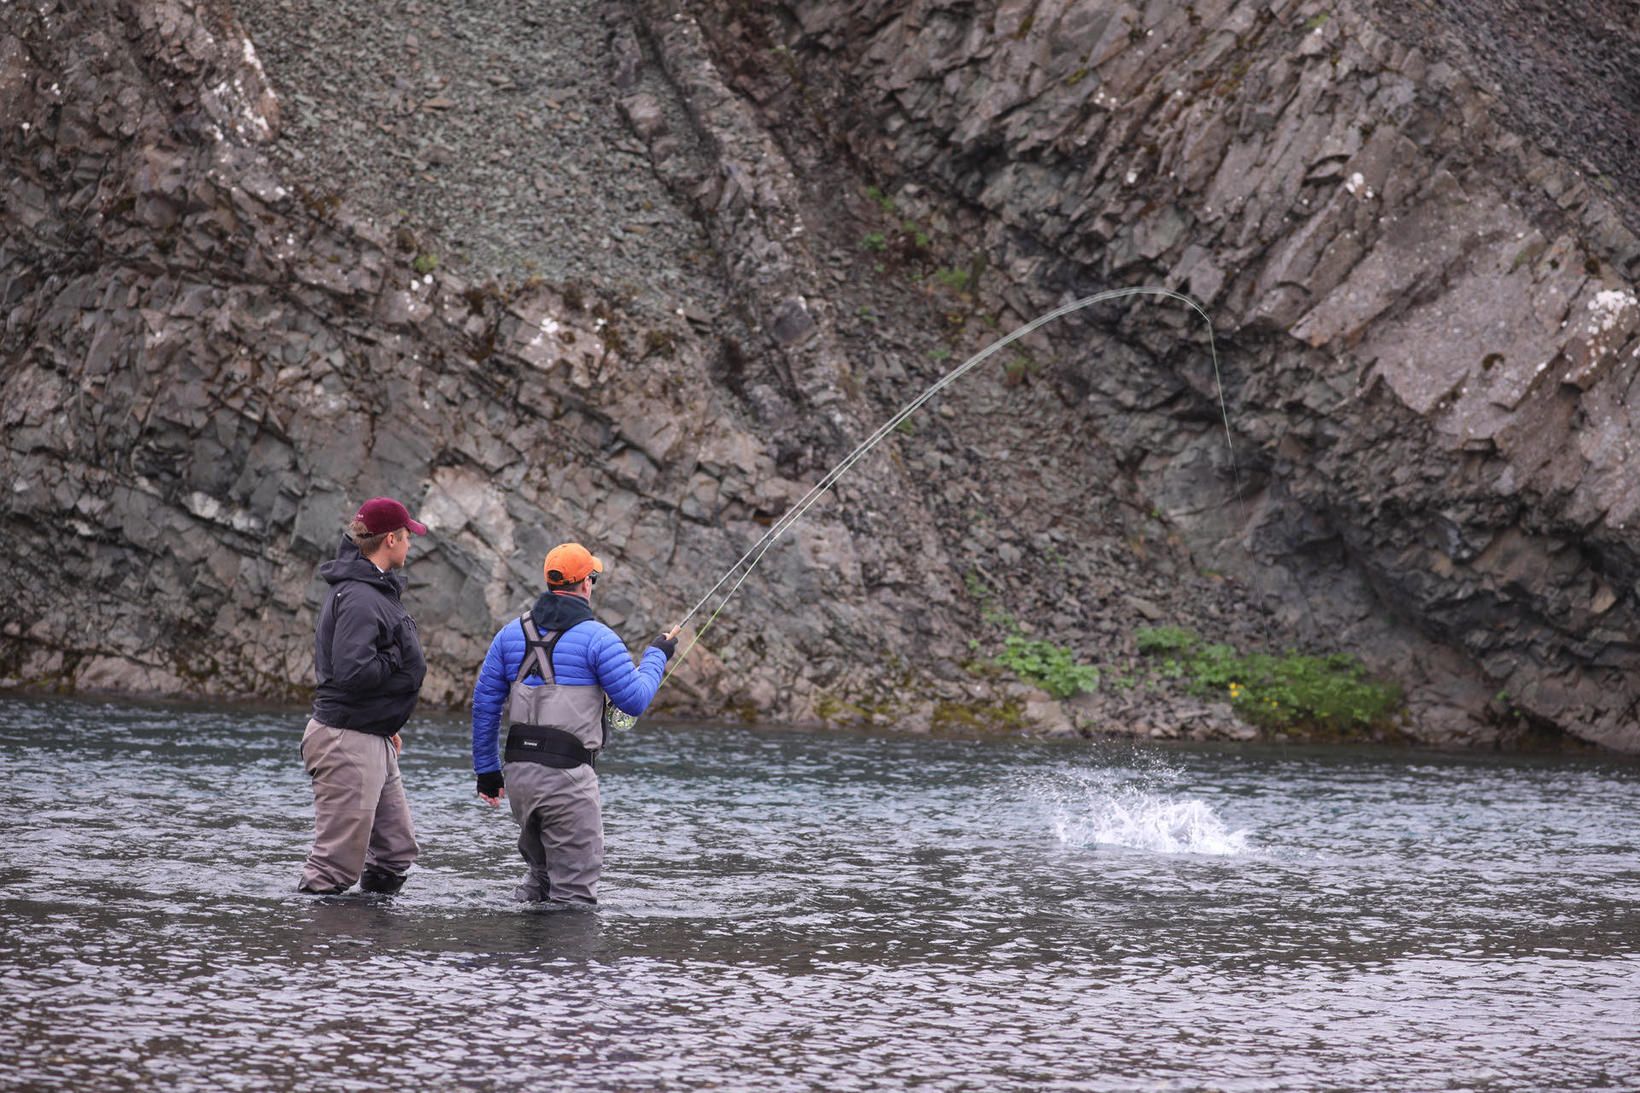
{"x": 1107, "y": 808}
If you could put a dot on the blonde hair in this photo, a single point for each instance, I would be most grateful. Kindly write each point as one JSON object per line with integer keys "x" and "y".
{"x": 362, "y": 538}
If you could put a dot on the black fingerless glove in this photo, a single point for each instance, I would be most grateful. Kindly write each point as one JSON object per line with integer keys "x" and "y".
{"x": 490, "y": 783}
{"x": 666, "y": 645}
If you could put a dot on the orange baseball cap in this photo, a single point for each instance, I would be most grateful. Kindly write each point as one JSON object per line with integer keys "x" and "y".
{"x": 569, "y": 563}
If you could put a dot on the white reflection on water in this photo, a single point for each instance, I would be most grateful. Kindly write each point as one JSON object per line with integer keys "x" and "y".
{"x": 792, "y": 911}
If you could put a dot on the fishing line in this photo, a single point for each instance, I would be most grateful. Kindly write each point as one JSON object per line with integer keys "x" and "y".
{"x": 749, "y": 560}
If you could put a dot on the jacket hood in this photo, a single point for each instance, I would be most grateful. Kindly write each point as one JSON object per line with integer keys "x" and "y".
{"x": 555, "y": 612}
{"x": 350, "y": 565}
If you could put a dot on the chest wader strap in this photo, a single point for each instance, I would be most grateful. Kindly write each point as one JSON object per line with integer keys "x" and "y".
{"x": 544, "y": 744}
{"x": 537, "y": 653}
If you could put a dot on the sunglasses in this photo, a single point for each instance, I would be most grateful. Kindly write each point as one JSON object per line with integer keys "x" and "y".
{"x": 593, "y": 576}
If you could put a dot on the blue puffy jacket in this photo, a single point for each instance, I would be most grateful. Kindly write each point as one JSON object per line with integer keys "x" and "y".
{"x": 588, "y": 653}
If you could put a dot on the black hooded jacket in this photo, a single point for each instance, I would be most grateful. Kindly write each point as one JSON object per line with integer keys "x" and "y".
{"x": 554, "y": 612}
{"x": 366, "y": 654}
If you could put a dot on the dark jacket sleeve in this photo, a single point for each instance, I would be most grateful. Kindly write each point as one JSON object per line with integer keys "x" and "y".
{"x": 363, "y": 655}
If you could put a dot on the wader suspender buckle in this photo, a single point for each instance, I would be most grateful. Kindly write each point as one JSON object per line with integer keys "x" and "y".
{"x": 544, "y": 744}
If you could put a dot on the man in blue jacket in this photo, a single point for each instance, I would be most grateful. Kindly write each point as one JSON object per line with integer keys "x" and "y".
{"x": 548, "y": 674}
{"x": 368, "y": 663}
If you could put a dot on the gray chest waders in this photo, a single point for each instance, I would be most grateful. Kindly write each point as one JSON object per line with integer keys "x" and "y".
{"x": 556, "y": 726}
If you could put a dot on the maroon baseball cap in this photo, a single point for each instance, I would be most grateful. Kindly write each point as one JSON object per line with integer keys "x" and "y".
{"x": 383, "y": 514}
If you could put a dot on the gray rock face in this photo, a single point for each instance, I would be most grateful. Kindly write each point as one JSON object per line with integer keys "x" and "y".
{"x": 1427, "y": 329}
{"x": 1432, "y": 324}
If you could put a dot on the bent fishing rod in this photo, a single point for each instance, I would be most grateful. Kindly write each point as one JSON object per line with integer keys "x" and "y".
{"x": 749, "y": 560}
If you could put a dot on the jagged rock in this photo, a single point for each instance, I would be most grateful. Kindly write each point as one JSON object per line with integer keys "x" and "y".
{"x": 643, "y": 114}
{"x": 792, "y": 322}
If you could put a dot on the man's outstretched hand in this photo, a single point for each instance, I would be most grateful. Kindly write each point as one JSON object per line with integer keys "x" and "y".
{"x": 668, "y": 642}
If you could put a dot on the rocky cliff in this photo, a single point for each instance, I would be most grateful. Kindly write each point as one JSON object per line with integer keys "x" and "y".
{"x": 639, "y": 273}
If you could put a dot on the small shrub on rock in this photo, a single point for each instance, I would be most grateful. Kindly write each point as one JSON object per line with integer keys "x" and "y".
{"x": 1052, "y": 667}
{"x": 1328, "y": 693}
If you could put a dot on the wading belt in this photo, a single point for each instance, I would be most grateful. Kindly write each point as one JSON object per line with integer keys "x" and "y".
{"x": 545, "y": 744}
{"x": 548, "y": 746}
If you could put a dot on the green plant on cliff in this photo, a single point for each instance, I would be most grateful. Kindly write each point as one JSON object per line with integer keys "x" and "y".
{"x": 1321, "y": 693}
{"x": 1165, "y": 642}
{"x": 957, "y": 280}
{"x": 978, "y": 717}
{"x": 989, "y": 611}
{"x": 884, "y": 202}
{"x": 1052, "y": 667}
{"x": 1018, "y": 370}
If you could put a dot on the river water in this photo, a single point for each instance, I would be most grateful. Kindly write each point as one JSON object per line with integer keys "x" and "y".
{"x": 804, "y": 911}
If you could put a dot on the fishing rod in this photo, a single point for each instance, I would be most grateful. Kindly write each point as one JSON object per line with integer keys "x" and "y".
{"x": 749, "y": 560}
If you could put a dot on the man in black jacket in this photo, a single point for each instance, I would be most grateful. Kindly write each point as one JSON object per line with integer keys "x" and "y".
{"x": 368, "y": 663}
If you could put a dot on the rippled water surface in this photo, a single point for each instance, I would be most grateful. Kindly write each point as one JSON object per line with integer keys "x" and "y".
{"x": 789, "y": 911}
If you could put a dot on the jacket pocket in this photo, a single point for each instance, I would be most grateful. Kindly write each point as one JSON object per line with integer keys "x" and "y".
{"x": 407, "y": 643}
